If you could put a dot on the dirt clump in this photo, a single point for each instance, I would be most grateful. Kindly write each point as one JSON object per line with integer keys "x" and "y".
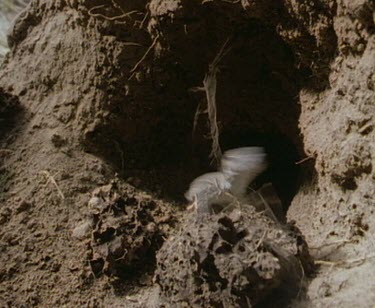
{"x": 126, "y": 232}
{"x": 232, "y": 259}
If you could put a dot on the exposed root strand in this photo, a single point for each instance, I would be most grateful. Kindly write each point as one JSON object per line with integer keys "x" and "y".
{"x": 133, "y": 70}
{"x": 210, "y": 84}
{"x": 111, "y": 18}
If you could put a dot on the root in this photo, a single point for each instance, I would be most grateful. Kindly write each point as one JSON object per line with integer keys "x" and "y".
{"x": 141, "y": 25}
{"x": 209, "y": 85}
{"x": 51, "y": 179}
{"x": 133, "y": 70}
{"x": 303, "y": 160}
{"x": 198, "y": 112}
{"x": 145, "y": 17}
{"x": 111, "y": 18}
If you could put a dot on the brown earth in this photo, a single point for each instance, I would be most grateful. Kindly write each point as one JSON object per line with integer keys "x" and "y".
{"x": 97, "y": 105}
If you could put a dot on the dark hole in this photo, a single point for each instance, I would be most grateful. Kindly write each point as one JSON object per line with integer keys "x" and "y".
{"x": 224, "y": 248}
{"x": 97, "y": 266}
{"x": 282, "y": 154}
{"x": 105, "y": 236}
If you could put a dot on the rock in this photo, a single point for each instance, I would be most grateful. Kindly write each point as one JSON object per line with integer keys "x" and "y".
{"x": 82, "y": 230}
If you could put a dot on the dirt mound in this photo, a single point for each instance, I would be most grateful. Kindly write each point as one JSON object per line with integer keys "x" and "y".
{"x": 231, "y": 260}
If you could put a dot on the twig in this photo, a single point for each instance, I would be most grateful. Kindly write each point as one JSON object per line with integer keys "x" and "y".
{"x": 52, "y": 180}
{"x": 143, "y": 57}
{"x": 364, "y": 127}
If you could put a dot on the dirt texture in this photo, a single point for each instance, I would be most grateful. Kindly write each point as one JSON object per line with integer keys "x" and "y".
{"x": 232, "y": 260}
{"x": 103, "y": 125}
{"x": 126, "y": 232}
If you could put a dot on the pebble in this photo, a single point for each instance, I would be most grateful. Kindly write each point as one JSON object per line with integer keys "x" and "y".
{"x": 82, "y": 230}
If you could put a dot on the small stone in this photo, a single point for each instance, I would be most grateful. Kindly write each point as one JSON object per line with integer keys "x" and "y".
{"x": 82, "y": 230}
{"x": 95, "y": 203}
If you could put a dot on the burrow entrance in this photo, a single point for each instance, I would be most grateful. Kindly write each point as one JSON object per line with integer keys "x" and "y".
{"x": 158, "y": 146}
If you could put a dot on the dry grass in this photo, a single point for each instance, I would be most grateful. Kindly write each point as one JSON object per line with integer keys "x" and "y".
{"x": 346, "y": 263}
{"x": 51, "y": 179}
{"x": 209, "y": 87}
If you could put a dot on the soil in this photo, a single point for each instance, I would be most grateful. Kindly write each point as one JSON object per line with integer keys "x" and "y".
{"x": 232, "y": 260}
{"x": 103, "y": 126}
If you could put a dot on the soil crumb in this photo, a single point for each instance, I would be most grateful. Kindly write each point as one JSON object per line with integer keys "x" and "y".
{"x": 232, "y": 259}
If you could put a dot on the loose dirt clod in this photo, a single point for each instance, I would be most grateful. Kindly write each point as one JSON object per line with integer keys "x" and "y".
{"x": 231, "y": 260}
{"x": 127, "y": 232}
